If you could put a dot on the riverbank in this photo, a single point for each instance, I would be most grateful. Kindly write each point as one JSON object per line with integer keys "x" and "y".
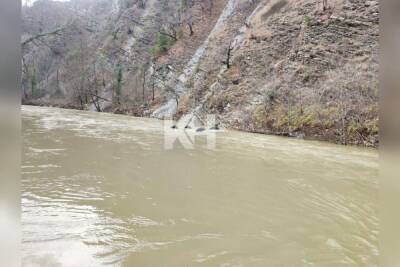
{"x": 53, "y": 103}
{"x": 331, "y": 135}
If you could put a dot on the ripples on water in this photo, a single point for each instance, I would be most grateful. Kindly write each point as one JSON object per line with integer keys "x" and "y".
{"x": 99, "y": 189}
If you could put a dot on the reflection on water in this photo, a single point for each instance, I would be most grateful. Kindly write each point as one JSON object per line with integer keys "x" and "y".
{"x": 99, "y": 189}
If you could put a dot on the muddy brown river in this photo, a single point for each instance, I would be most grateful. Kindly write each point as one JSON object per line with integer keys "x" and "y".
{"x": 101, "y": 190}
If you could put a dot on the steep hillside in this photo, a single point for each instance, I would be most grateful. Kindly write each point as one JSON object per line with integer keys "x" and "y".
{"x": 287, "y": 67}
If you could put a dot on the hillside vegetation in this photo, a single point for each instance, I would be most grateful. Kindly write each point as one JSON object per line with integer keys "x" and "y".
{"x": 301, "y": 68}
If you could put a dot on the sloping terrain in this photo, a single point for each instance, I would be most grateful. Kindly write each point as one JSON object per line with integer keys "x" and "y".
{"x": 295, "y": 68}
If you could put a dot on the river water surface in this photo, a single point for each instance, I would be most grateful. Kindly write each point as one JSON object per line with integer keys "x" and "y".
{"x": 100, "y": 190}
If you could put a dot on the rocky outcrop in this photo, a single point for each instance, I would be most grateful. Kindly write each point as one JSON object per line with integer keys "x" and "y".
{"x": 296, "y": 70}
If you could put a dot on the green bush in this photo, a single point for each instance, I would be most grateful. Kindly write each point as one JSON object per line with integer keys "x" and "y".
{"x": 162, "y": 44}
{"x": 307, "y": 20}
{"x": 270, "y": 96}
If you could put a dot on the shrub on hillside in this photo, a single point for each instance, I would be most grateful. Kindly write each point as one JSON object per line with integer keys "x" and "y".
{"x": 162, "y": 44}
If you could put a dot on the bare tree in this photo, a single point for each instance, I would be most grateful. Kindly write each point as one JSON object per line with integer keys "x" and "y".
{"x": 41, "y": 35}
{"x": 144, "y": 83}
{"x": 118, "y": 86}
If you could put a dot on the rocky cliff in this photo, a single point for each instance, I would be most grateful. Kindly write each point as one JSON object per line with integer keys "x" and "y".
{"x": 300, "y": 68}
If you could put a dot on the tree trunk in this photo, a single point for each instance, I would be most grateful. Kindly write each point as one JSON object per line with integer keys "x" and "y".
{"x": 190, "y": 26}
{"x": 81, "y": 101}
{"x": 152, "y": 98}
{"x": 343, "y": 119}
{"x": 228, "y": 56}
{"x": 58, "y": 79}
{"x": 144, "y": 86}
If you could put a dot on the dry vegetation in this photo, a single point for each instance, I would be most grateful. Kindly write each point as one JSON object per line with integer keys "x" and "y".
{"x": 296, "y": 68}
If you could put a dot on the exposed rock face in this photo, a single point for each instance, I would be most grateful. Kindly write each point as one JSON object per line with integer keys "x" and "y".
{"x": 297, "y": 70}
{"x": 288, "y": 67}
